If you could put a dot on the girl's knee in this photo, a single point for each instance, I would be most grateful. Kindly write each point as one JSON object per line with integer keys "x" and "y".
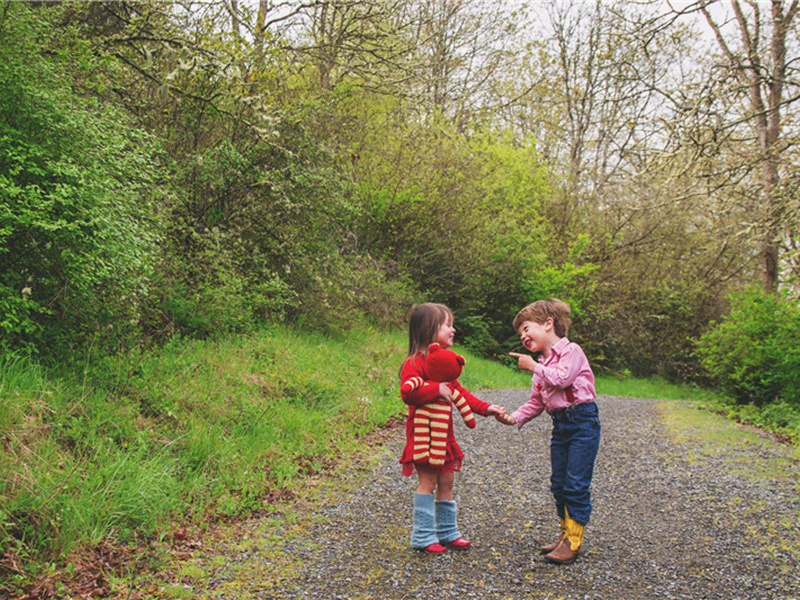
{"x": 444, "y": 487}
{"x": 427, "y": 480}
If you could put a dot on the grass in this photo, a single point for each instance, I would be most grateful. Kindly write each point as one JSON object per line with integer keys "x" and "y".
{"x": 659, "y": 389}
{"x": 130, "y": 447}
{"x": 128, "y": 450}
{"x": 712, "y": 435}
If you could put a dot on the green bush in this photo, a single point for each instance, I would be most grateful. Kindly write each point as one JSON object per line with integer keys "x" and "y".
{"x": 754, "y": 353}
{"x": 476, "y": 334}
{"x": 77, "y": 188}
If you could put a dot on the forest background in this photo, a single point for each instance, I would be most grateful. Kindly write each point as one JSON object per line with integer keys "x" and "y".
{"x": 176, "y": 172}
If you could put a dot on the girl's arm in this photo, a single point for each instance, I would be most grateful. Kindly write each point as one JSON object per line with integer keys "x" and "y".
{"x": 483, "y": 408}
{"x": 421, "y": 391}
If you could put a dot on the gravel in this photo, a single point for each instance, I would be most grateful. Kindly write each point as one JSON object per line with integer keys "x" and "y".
{"x": 672, "y": 520}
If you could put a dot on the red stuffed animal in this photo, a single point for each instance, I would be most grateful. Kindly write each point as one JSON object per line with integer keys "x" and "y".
{"x": 431, "y": 421}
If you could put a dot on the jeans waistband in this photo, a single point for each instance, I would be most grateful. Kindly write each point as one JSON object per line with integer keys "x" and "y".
{"x": 565, "y": 414}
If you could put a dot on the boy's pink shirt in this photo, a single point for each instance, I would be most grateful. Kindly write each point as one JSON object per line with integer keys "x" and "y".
{"x": 567, "y": 365}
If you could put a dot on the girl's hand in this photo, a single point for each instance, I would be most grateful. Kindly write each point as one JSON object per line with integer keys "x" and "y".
{"x": 500, "y": 414}
{"x": 506, "y": 419}
{"x": 524, "y": 361}
{"x": 445, "y": 392}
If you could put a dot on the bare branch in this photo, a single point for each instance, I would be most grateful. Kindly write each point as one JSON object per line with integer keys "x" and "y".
{"x": 718, "y": 34}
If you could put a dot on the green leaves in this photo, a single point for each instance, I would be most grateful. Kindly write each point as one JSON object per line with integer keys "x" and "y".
{"x": 754, "y": 353}
{"x": 76, "y": 226}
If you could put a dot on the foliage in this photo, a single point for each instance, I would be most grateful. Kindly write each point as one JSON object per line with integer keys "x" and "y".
{"x": 780, "y": 417}
{"x": 77, "y": 233}
{"x": 754, "y": 353}
{"x": 290, "y": 187}
{"x": 253, "y": 215}
{"x": 204, "y": 170}
{"x": 462, "y": 218}
{"x": 650, "y": 330}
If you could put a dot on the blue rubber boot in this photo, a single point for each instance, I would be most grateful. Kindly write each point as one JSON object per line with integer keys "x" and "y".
{"x": 423, "y": 533}
{"x": 446, "y": 527}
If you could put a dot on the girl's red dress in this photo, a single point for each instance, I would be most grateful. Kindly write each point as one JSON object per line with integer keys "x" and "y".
{"x": 414, "y": 366}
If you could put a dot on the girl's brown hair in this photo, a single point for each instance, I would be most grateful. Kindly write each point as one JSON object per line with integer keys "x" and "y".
{"x": 424, "y": 321}
{"x": 541, "y": 310}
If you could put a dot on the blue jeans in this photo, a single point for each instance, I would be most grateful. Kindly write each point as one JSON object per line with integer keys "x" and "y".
{"x": 573, "y": 448}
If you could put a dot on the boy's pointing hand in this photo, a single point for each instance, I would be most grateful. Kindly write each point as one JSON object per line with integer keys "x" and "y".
{"x": 524, "y": 361}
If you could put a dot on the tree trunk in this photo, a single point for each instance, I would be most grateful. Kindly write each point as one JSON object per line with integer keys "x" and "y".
{"x": 764, "y": 77}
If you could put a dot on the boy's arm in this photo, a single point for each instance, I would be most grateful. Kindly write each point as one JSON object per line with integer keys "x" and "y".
{"x": 528, "y": 411}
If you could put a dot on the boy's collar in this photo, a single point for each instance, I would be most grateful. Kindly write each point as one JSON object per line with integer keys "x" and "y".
{"x": 559, "y": 346}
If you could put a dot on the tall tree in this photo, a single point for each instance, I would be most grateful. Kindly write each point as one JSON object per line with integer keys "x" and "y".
{"x": 463, "y": 49}
{"x": 602, "y": 91}
{"x": 588, "y": 93}
{"x": 755, "y": 53}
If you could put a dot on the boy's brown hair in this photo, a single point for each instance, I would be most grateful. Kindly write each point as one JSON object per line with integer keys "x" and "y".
{"x": 541, "y": 310}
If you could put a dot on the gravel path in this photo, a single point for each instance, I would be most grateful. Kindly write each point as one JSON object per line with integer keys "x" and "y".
{"x": 675, "y": 516}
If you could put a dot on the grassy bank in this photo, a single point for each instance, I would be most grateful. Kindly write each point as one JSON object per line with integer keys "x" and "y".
{"x": 128, "y": 450}
{"x": 630, "y": 387}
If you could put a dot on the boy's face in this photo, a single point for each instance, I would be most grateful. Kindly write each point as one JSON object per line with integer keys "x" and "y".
{"x": 445, "y": 335}
{"x": 535, "y": 336}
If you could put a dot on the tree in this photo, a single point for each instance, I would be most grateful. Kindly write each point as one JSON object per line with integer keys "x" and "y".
{"x": 588, "y": 92}
{"x": 463, "y": 48}
{"x": 762, "y": 86}
{"x": 602, "y": 88}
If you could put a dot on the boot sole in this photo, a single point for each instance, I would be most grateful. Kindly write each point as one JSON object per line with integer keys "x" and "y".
{"x": 555, "y": 561}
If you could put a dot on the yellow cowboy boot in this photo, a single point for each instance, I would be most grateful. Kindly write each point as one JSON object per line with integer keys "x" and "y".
{"x": 567, "y": 551}
{"x": 548, "y": 548}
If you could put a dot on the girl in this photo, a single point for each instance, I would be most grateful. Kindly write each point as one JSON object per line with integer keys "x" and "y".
{"x": 434, "y": 522}
{"x": 563, "y": 385}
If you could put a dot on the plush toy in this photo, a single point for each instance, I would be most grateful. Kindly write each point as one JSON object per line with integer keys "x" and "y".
{"x": 431, "y": 421}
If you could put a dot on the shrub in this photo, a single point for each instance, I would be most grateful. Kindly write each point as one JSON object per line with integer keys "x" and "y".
{"x": 754, "y": 353}
{"x": 476, "y": 334}
{"x": 77, "y": 187}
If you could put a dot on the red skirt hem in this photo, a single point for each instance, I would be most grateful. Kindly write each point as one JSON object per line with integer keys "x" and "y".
{"x": 448, "y": 467}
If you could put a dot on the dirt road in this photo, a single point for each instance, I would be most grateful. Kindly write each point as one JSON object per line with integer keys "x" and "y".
{"x": 687, "y": 505}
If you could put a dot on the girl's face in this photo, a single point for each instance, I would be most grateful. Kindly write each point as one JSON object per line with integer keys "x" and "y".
{"x": 445, "y": 334}
{"x": 536, "y": 336}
